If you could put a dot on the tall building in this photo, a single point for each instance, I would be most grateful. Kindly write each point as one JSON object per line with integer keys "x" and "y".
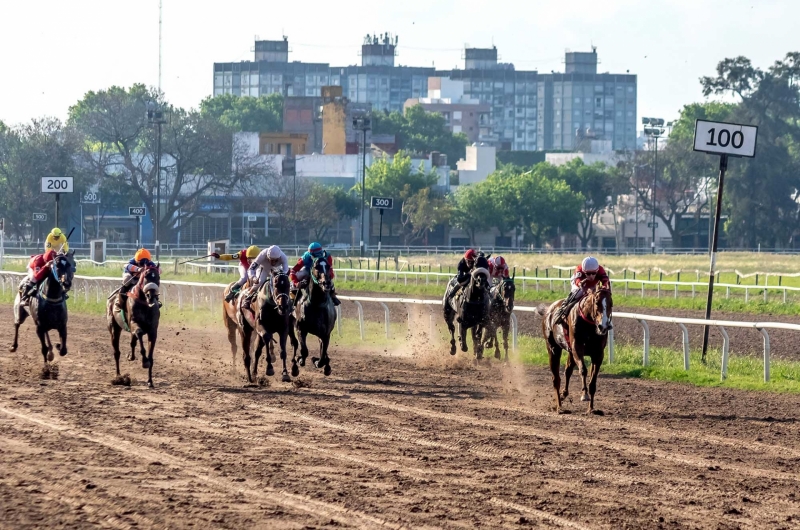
{"x": 528, "y": 110}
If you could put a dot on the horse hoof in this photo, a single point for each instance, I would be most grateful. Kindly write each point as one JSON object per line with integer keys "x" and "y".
{"x": 302, "y": 361}
{"x": 12, "y": 349}
{"x": 595, "y": 412}
{"x": 464, "y": 348}
{"x": 131, "y": 357}
{"x": 150, "y": 384}
{"x": 286, "y": 378}
{"x": 50, "y": 357}
{"x": 585, "y": 397}
{"x": 62, "y": 352}
{"x": 452, "y": 350}
{"x": 497, "y": 355}
{"x": 270, "y": 371}
{"x": 295, "y": 370}
{"x": 145, "y": 364}
{"x": 315, "y": 361}
{"x": 327, "y": 370}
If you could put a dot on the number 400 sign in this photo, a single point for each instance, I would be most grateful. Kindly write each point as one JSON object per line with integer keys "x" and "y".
{"x": 725, "y": 138}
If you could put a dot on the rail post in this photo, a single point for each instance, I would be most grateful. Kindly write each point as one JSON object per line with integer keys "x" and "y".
{"x": 339, "y": 320}
{"x": 725, "y": 351}
{"x": 646, "y": 353}
{"x": 610, "y": 346}
{"x": 685, "y": 346}
{"x": 766, "y": 354}
{"x": 386, "y": 318}
{"x": 514, "y": 331}
{"x": 360, "y": 318}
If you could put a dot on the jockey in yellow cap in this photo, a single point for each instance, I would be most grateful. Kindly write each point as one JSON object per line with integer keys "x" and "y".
{"x": 56, "y": 240}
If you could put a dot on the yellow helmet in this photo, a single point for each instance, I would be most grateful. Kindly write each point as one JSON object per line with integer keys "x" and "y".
{"x": 252, "y": 252}
{"x": 56, "y": 233}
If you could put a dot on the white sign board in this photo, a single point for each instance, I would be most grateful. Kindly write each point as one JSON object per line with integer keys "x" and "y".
{"x": 56, "y": 184}
{"x": 137, "y": 211}
{"x": 40, "y": 217}
{"x": 90, "y": 197}
{"x": 725, "y": 138}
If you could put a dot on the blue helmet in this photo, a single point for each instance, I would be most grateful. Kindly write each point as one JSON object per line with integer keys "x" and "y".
{"x": 315, "y": 248}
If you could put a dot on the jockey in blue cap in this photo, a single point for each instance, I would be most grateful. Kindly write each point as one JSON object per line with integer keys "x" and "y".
{"x": 302, "y": 269}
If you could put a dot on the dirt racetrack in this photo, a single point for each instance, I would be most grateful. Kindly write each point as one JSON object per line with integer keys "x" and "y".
{"x": 410, "y": 438}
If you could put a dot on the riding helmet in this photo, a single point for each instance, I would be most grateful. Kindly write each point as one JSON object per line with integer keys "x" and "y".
{"x": 274, "y": 252}
{"x": 590, "y": 264}
{"x": 499, "y": 262}
{"x": 470, "y": 255}
{"x": 56, "y": 233}
{"x": 252, "y": 252}
{"x": 141, "y": 254}
{"x": 314, "y": 248}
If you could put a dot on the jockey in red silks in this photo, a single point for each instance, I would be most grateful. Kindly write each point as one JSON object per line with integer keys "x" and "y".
{"x": 38, "y": 269}
{"x": 464, "y": 269}
{"x": 587, "y": 275}
{"x": 498, "y": 268}
{"x": 301, "y": 272}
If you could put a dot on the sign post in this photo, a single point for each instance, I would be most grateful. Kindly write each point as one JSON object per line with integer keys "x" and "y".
{"x": 2, "y": 240}
{"x": 88, "y": 197}
{"x": 138, "y": 212}
{"x": 381, "y": 203}
{"x": 57, "y": 185}
{"x": 724, "y": 139}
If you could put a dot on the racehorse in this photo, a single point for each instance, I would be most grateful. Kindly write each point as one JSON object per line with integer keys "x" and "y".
{"x": 48, "y": 308}
{"x": 588, "y": 323}
{"x": 316, "y": 315}
{"x": 138, "y": 314}
{"x": 502, "y": 304}
{"x": 238, "y": 318}
{"x": 274, "y": 315}
{"x": 471, "y": 307}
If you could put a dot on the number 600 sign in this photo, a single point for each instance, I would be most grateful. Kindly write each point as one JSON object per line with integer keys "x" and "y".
{"x": 725, "y": 138}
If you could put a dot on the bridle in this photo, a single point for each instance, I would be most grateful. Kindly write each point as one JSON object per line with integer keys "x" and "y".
{"x": 600, "y": 307}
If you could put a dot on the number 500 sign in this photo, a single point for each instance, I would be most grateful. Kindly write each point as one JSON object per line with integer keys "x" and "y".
{"x": 725, "y": 138}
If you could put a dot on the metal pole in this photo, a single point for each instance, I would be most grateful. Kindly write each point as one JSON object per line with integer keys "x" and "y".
{"x": 294, "y": 205}
{"x": 58, "y": 198}
{"x": 636, "y": 242}
{"x": 158, "y": 187}
{"x": 83, "y": 239}
{"x": 380, "y": 237}
{"x": 723, "y": 165}
{"x": 655, "y": 180}
{"x": 363, "y": 183}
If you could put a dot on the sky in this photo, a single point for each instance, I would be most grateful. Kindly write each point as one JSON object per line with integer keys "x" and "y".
{"x": 53, "y": 51}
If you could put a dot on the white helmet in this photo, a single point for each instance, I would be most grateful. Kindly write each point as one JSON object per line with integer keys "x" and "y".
{"x": 590, "y": 264}
{"x": 274, "y": 252}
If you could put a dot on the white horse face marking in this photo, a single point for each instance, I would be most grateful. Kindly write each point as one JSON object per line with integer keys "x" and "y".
{"x": 604, "y": 316}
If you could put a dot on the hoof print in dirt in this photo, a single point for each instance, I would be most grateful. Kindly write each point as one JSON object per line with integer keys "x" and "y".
{"x": 122, "y": 380}
{"x": 263, "y": 381}
{"x": 299, "y": 383}
{"x": 49, "y": 371}
{"x": 597, "y": 412}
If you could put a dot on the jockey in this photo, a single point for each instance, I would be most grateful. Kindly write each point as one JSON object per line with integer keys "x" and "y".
{"x": 245, "y": 257}
{"x": 269, "y": 261}
{"x": 56, "y": 240}
{"x": 132, "y": 269}
{"x": 301, "y": 271}
{"x": 498, "y": 268}
{"x": 464, "y": 268}
{"x": 587, "y": 275}
{"x": 38, "y": 269}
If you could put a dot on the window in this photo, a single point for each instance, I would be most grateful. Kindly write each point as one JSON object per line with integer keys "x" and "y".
{"x": 510, "y": 113}
{"x": 520, "y": 134}
{"x": 630, "y": 90}
{"x": 578, "y": 101}
{"x": 598, "y": 102}
{"x": 457, "y": 115}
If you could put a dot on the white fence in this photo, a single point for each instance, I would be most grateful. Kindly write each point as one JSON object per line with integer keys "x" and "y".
{"x": 9, "y": 280}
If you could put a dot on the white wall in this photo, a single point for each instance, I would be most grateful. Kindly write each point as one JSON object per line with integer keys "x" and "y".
{"x": 480, "y": 162}
{"x": 559, "y": 159}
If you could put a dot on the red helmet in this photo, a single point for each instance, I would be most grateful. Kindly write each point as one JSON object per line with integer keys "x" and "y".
{"x": 470, "y": 255}
{"x": 50, "y": 255}
{"x": 499, "y": 262}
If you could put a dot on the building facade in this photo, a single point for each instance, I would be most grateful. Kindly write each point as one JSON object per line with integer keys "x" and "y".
{"x": 462, "y": 114}
{"x": 528, "y": 110}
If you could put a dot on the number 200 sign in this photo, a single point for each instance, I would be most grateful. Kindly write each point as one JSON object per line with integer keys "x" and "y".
{"x": 725, "y": 138}
{"x": 56, "y": 184}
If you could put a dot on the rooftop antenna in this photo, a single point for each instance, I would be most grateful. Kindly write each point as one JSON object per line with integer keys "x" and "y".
{"x": 159, "y": 45}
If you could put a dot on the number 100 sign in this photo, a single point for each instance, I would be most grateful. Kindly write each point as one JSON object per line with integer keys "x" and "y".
{"x": 725, "y": 138}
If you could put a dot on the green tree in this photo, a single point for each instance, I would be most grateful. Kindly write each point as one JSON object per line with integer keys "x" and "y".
{"x": 762, "y": 193}
{"x": 592, "y": 182}
{"x": 320, "y": 207}
{"x": 547, "y": 205}
{"x": 420, "y": 131}
{"x": 198, "y": 156}
{"x": 261, "y": 114}
{"x": 472, "y": 209}
{"x": 421, "y": 213}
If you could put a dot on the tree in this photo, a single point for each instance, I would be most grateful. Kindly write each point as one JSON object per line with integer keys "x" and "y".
{"x": 420, "y": 131}
{"x": 261, "y": 114}
{"x": 199, "y": 157}
{"x": 27, "y": 153}
{"x": 320, "y": 207}
{"x": 472, "y": 208}
{"x": 547, "y": 205}
{"x": 594, "y": 185}
{"x": 421, "y": 213}
{"x": 762, "y": 193}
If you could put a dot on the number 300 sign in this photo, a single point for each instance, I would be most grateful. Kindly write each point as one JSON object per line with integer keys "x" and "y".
{"x": 725, "y": 138}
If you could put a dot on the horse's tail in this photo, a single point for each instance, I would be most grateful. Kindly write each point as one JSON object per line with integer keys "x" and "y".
{"x": 541, "y": 309}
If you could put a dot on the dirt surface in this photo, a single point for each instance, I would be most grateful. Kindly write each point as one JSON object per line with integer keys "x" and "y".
{"x": 783, "y": 343}
{"x": 411, "y": 438}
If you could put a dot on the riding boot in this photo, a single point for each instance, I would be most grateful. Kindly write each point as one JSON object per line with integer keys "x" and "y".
{"x": 231, "y": 295}
{"x": 457, "y": 287}
{"x": 335, "y": 298}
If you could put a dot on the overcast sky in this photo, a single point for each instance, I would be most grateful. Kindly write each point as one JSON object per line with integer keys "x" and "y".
{"x": 54, "y": 51}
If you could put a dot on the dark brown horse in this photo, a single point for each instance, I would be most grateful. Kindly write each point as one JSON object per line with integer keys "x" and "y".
{"x": 586, "y": 333}
{"x": 242, "y": 320}
{"x": 502, "y": 305}
{"x": 469, "y": 308}
{"x": 138, "y": 313}
{"x": 274, "y": 314}
{"x": 316, "y": 315}
{"x": 48, "y": 307}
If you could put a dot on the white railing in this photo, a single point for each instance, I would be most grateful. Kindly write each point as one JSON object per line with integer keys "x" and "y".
{"x": 8, "y": 279}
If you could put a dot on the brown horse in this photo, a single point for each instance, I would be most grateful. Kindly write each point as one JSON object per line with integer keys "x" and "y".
{"x": 586, "y": 333}
{"x": 138, "y": 313}
{"x": 238, "y": 318}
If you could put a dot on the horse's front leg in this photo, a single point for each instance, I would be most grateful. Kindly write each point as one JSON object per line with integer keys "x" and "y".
{"x": 554, "y": 355}
{"x": 568, "y": 372}
{"x": 62, "y": 334}
{"x": 132, "y": 354}
{"x": 302, "y": 336}
{"x": 578, "y": 352}
{"x": 140, "y": 339}
{"x": 151, "y": 347}
{"x": 462, "y": 336}
{"x": 43, "y": 340}
{"x": 267, "y": 340}
{"x": 448, "y": 318}
{"x": 293, "y": 339}
{"x": 247, "y": 337}
{"x": 477, "y": 343}
{"x": 506, "y": 327}
{"x": 115, "y": 331}
{"x": 597, "y": 361}
{"x": 324, "y": 361}
{"x": 282, "y": 343}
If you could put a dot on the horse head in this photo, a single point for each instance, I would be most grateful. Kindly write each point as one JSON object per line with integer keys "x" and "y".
{"x": 479, "y": 282}
{"x": 508, "y": 290}
{"x": 64, "y": 269}
{"x": 280, "y": 293}
{"x": 601, "y": 309}
{"x": 150, "y": 284}
{"x": 320, "y": 274}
